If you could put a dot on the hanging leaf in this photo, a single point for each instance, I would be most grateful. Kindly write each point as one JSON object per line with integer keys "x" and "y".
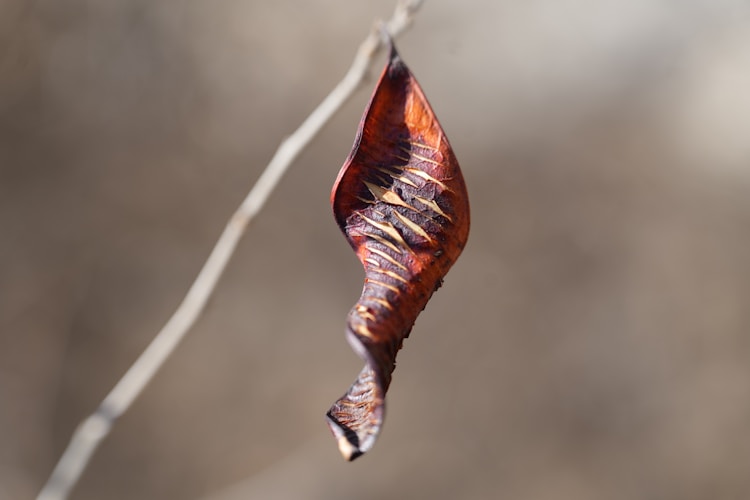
{"x": 401, "y": 202}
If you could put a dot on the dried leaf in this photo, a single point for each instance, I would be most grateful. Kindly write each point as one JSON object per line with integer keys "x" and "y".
{"x": 401, "y": 202}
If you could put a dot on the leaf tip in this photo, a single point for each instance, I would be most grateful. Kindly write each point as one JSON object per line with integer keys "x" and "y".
{"x": 348, "y": 451}
{"x": 347, "y": 439}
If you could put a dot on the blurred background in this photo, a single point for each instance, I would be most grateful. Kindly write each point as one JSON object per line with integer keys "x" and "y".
{"x": 593, "y": 341}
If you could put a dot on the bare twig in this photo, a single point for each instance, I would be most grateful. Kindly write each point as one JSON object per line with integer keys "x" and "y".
{"x": 97, "y": 426}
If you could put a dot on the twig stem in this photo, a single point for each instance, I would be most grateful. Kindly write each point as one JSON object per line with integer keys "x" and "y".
{"x": 92, "y": 431}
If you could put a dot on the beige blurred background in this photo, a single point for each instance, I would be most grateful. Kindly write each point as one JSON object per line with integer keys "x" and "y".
{"x": 593, "y": 341}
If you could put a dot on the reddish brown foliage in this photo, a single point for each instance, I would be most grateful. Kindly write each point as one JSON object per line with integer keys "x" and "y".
{"x": 401, "y": 202}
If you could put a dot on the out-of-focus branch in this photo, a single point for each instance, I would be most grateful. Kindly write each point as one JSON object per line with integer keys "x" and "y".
{"x": 92, "y": 431}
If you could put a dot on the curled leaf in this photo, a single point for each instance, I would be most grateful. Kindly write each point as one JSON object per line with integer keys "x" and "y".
{"x": 401, "y": 202}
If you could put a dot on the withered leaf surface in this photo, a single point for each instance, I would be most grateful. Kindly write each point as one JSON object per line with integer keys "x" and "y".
{"x": 401, "y": 202}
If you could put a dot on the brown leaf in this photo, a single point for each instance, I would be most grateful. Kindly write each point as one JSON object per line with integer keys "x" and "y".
{"x": 401, "y": 202}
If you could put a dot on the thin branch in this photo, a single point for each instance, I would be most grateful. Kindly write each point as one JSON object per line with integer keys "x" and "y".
{"x": 92, "y": 431}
